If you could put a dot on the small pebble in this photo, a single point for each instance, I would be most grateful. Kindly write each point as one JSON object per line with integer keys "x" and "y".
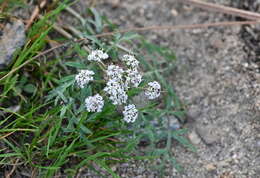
{"x": 208, "y": 134}
{"x": 194, "y": 138}
{"x": 245, "y": 65}
{"x": 114, "y": 3}
{"x": 174, "y": 12}
{"x": 210, "y": 167}
{"x": 258, "y": 143}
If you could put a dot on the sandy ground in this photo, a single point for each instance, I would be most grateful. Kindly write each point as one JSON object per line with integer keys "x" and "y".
{"x": 215, "y": 78}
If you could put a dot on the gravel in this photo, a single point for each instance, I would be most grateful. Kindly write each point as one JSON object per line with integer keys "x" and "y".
{"x": 216, "y": 80}
{"x": 12, "y": 38}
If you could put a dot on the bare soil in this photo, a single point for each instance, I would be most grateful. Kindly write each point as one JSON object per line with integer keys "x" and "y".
{"x": 217, "y": 77}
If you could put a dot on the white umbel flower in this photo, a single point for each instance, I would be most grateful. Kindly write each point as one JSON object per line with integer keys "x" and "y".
{"x": 130, "y": 61}
{"x": 116, "y": 92}
{"x": 153, "y": 90}
{"x": 97, "y": 55}
{"x": 84, "y": 77}
{"x": 94, "y": 103}
{"x": 130, "y": 113}
{"x": 133, "y": 77}
{"x": 114, "y": 72}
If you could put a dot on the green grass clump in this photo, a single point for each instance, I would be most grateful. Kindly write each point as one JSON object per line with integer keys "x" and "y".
{"x": 45, "y": 128}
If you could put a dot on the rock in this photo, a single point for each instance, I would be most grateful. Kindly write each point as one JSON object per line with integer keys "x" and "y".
{"x": 210, "y": 167}
{"x": 174, "y": 123}
{"x": 12, "y": 39}
{"x": 257, "y": 104}
{"x": 258, "y": 143}
{"x": 174, "y": 12}
{"x": 194, "y": 138}
{"x": 208, "y": 134}
{"x": 114, "y": 3}
{"x": 225, "y": 162}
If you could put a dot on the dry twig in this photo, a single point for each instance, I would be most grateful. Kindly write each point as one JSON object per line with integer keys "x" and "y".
{"x": 8, "y": 175}
{"x": 35, "y": 14}
{"x": 180, "y": 27}
{"x": 6, "y": 135}
{"x": 214, "y": 7}
{"x": 223, "y": 9}
{"x": 153, "y": 28}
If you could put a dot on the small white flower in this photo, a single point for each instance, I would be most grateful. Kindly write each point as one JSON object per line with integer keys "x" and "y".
{"x": 84, "y": 77}
{"x": 153, "y": 90}
{"x": 114, "y": 72}
{"x": 94, "y": 103}
{"x": 116, "y": 92}
{"x": 130, "y": 113}
{"x": 130, "y": 61}
{"x": 133, "y": 77}
{"x": 97, "y": 55}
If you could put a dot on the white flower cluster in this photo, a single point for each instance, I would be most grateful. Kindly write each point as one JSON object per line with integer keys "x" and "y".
{"x": 115, "y": 85}
{"x": 116, "y": 92}
{"x": 153, "y": 90}
{"x": 130, "y": 113}
{"x": 130, "y": 61}
{"x": 84, "y": 77}
{"x": 94, "y": 103}
{"x": 118, "y": 82}
{"x": 97, "y": 55}
{"x": 133, "y": 77}
{"x": 114, "y": 72}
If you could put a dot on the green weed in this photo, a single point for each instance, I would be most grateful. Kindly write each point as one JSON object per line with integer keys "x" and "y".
{"x": 52, "y": 132}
